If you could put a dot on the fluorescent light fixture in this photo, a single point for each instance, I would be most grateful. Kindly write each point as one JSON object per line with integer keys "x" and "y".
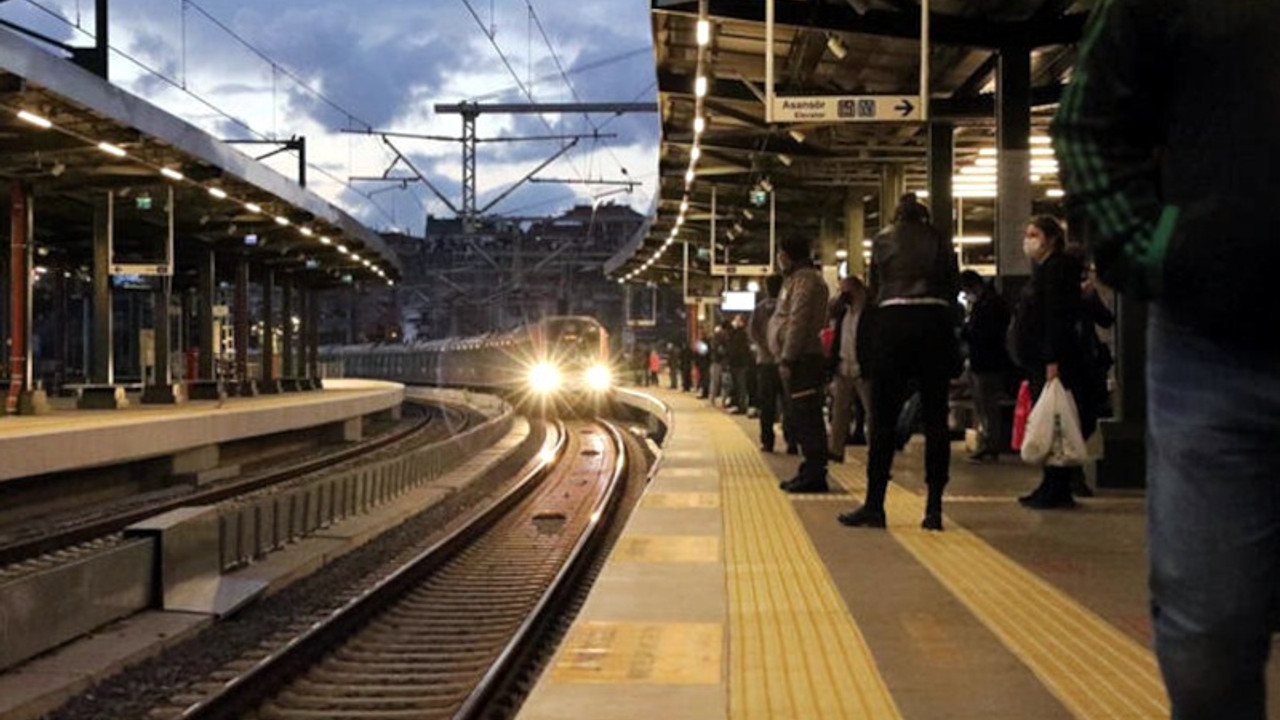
{"x": 253, "y": 207}
{"x": 699, "y": 125}
{"x": 989, "y": 152}
{"x": 679, "y": 220}
{"x": 753, "y": 286}
{"x": 975, "y": 193}
{"x": 842, "y": 254}
{"x": 704, "y": 33}
{"x": 1055, "y": 192}
{"x": 218, "y": 193}
{"x": 343, "y": 249}
{"x": 34, "y": 119}
{"x": 837, "y": 48}
{"x": 367, "y": 263}
{"x": 282, "y": 220}
{"x": 324, "y": 240}
{"x": 866, "y": 243}
{"x": 306, "y": 231}
{"x": 700, "y": 86}
{"x": 1040, "y": 140}
{"x": 356, "y": 257}
{"x": 1041, "y": 152}
{"x": 1035, "y": 178}
{"x": 977, "y": 170}
{"x": 922, "y": 194}
{"x": 110, "y": 149}
{"x": 688, "y": 176}
{"x": 684, "y": 205}
{"x": 985, "y": 162}
{"x": 972, "y": 240}
{"x": 796, "y": 135}
{"x": 785, "y": 159}
{"x": 695, "y": 153}
{"x": 172, "y": 174}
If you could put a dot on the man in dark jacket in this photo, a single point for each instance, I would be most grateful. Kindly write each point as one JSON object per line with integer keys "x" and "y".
{"x": 794, "y": 339}
{"x": 984, "y": 333}
{"x": 1168, "y": 141}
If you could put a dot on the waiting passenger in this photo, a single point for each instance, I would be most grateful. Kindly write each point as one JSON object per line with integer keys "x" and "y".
{"x": 984, "y": 333}
{"x": 769, "y": 384}
{"x": 914, "y": 284}
{"x": 1179, "y": 198}
{"x": 848, "y": 318}
{"x": 1050, "y": 346}
{"x": 794, "y": 340}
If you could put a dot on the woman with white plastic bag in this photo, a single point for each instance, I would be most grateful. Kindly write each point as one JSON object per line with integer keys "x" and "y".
{"x": 1050, "y": 350}
{"x": 1053, "y": 434}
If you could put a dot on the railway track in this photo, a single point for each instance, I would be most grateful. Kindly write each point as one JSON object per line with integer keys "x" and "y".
{"x": 436, "y": 636}
{"x": 34, "y": 546}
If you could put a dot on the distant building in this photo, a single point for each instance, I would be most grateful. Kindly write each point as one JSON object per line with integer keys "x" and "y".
{"x": 504, "y": 273}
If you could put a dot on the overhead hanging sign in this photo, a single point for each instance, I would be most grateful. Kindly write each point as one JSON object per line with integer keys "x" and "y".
{"x": 846, "y": 108}
{"x": 741, "y": 270}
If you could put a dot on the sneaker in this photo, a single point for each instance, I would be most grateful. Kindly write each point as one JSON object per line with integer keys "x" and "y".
{"x": 863, "y": 517}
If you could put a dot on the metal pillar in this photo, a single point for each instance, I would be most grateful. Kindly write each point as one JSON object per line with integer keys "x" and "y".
{"x": 855, "y": 231}
{"x": 163, "y": 390}
{"x": 892, "y": 186}
{"x": 62, "y": 325}
{"x": 102, "y": 352}
{"x": 312, "y": 352}
{"x": 941, "y": 163}
{"x": 1013, "y": 179}
{"x": 469, "y": 168}
{"x": 353, "y": 316}
{"x": 19, "y": 294}
{"x": 268, "y": 339}
{"x": 1124, "y": 457}
{"x": 287, "y": 368}
{"x": 208, "y": 292}
{"x": 242, "y": 325}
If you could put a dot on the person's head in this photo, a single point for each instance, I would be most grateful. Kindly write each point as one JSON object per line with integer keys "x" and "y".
{"x": 910, "y": 210}
{"x": 795, "y": 250}
{"x": 1044, "y": 237}
{"x": 972, "y": 284}
{"x": 773, "y": 285}
{"x": 852, "y": 289}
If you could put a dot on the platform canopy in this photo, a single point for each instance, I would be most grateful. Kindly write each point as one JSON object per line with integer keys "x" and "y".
{"x": 825, "y": 47}
{"x": 74, "y": 136}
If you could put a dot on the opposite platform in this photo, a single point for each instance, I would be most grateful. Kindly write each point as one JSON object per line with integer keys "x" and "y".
{"x": 726, "y": 597}
{"x": 73, "y": 439}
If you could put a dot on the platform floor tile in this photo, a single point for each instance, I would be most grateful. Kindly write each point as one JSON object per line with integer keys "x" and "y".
{"x": 1096, "y": 671}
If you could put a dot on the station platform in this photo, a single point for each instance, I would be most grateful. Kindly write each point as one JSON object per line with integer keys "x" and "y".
{"x": 68, "y": 439}
{"x": 728, "y": 598}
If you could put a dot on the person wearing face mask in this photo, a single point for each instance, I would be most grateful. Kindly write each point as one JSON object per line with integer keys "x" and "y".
{"x": 1049, "y": 344}
{"x": 915, "y": 280}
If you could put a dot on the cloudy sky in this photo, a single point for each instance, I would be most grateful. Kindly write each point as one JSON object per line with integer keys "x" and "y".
{"x": 384, "y": 64}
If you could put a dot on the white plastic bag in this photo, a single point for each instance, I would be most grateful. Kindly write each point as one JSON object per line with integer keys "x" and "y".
{"x": 1053, "y": 430}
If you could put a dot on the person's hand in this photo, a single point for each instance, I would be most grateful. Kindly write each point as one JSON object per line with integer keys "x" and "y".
{"x": 1050, "y": 372}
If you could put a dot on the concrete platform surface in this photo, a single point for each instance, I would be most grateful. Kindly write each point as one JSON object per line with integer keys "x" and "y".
{"x": 70, "y": 439}
{"x": 727, "y": 598}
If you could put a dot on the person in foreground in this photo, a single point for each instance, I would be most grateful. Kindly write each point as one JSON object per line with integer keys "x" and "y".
{"x": 915, "y": 281}
{"x": 794, "y": 339}
{"x": 1177, "y": 198}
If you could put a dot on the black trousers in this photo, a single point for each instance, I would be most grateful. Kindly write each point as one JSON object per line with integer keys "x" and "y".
{"x": 912, "y": 344}
{"x": 770, "y": 399}
{"x": 805, "y": 399}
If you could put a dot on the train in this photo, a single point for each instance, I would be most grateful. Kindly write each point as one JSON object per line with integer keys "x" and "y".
{"x": 558, "y": 362}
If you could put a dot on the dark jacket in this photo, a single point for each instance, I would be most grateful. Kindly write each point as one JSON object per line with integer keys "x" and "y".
{"x": 1050, "y": 316}
{"x": 912, "y": 260}
{"x": 985, "y": 333}
{"x": 1167, "y": 136}
{"x": 739, "y": 348}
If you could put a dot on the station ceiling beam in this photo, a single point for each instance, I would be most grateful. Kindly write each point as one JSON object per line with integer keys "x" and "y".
{"x": 943, "y": 29}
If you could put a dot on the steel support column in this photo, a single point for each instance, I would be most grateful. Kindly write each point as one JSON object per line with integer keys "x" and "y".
{"x": 267, "y": 340}
{"x": 1013, "y": 179}
{"x": 941, "y": 164}
{"x": 242, "y": 322}
{"x": 312, "y": 353}
{"x": 162, "y": 391}
{"x": 892, "y": 186}
{"x": 855, "y": 231}
{"x": 19, "y": 294}
{"x": 208, "y": 292}
{"x": 102, "y": 352}
{"x": 1124, "y": 458}
{"x": 287, "y": 368}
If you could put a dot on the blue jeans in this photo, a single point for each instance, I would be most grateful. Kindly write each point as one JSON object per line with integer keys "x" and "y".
{"x": 1214, "y": 530}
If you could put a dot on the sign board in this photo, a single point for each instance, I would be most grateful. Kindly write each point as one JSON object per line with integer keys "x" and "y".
{"x": 846, "y": 108}
{"x": 741, "y": 270}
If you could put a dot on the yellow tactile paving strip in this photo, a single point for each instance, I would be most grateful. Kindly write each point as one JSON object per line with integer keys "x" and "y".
{"x": 1096, "y": 671}
{"x": 794, "y": 649}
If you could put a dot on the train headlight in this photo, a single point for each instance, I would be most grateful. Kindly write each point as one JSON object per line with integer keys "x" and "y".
{"x": 599, "y": 377}
{"x": 544, "y": 378}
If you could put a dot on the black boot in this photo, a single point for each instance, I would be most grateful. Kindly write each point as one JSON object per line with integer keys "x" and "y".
{"x": 863, "y": 517}
{"x": 933, "y": 509}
